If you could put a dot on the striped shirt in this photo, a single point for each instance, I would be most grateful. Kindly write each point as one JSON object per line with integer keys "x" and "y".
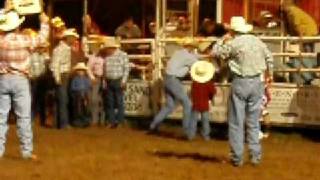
{"x": 117, "y": 66}
{"x": 15, "y": 50}
{"x": 61, "y": 60}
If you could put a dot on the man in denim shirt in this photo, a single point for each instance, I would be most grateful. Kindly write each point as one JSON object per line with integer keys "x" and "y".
{"x": 249, "y": 58}
{"x": 177, "y": 68}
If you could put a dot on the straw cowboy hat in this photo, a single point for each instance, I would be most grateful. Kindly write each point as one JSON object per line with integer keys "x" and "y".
{"x": 57, "y": 22}
{"x": 188, "y": 41}
{"x": 11, "y": 21}
{"x": 238, "y": 24}
{"x": 205, "y": 44}
{"x": 70, "y": 32}
{"x": 80, "y": 66}
{"x": 111, "y": 42}
{"x": 202, "y": 71}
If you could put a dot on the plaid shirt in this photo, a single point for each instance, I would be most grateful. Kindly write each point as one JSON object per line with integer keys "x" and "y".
{"x": 61, "y": 60}
{"x": 15, "y": 50}
{"x": 117, "y": 66}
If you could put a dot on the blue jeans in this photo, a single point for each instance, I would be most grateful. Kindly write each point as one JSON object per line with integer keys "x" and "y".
{"x": 205, "y": 125}
{"x": 174, "y": 93}
{"x": 15, "y": 92}
{"x": 62, "y": 93}
{"x": 114, "y": 101}
{"x": 303, "y": 77}
{"x": 244, "y": 109}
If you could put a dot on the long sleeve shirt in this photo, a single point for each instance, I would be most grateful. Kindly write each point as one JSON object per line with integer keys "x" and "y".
{"x": 201, "y": 94}
{"x": 247, "y": 55}
{"x": 61, "y": 60}
{"x": 116, "y": 66}
{"x": 180, "y": 63}
{"x": 38, "y": 62}
{"x": 80, "y": 84}
{"x": 95, "y": 65}
{"x": 15, "y": 50}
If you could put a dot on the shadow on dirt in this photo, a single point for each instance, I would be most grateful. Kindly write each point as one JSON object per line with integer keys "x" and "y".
{"x": 193, "y": 156}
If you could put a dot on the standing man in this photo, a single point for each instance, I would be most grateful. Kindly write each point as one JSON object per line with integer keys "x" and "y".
{"x": 61, "y": 67}
{"x": 14, "y": 83}
{"x": 116, "y": 72}
{"x": 128, "y": 29}
{"x": 177, "y": 68}
{"x": 249, "y": 58}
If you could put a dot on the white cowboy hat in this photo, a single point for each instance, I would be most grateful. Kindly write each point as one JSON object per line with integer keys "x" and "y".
{"x": 111, "y": 42}
{"x": 11, "y": 21}
{"x": 80, "y": 66}
{"x": 238, "y": 24}
{"x": 70, "y": 32}
{"x": 24, "y": 7}
{"x": 202, "y": 71}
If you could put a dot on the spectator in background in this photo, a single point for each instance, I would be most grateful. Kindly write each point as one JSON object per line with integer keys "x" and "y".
{"x": 128, "y": 29}
{"x": 116, "y": 72}
{"x": 14, "y": 82}
{"x": 80, "y": 87}
{"x": 207, "y": 27}
{"x": 39, "y": 60}
{"x": 61, "y": 67}
{"x": 299, "y": 23}
{"x": 95, "y": 65}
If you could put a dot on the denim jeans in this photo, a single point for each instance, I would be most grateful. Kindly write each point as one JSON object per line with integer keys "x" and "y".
{"x": 303, "y": 77}
{"x": 15, "y": 92}
{"x": 96, "y": 102}
{"x": 244, "y": 112}
{"x": 80, "y": 109}
{"x": 62, "y": 93}
{"x": 205, "y": 125}
{"x": 114, "y": 101}
{"x": 174, "y": 93}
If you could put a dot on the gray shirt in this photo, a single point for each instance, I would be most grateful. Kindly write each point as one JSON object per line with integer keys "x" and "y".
{"x": 247, "y": 55}
{"x": 180, "y": 63}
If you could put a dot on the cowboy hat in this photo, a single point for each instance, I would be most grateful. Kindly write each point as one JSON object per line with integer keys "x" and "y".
{"x": 238, "y": 24}
{"x": 70, "y": 32}
{"x": 205, "y": 44}
{"x": 202, "y": 71}
{"x": 80, "y": 66}
{"x": 24, "y": 7}
{"x": 111, "y": 42}
{"x": 11, "y": 22}
{"x": 57, "y": 22}
{"x": 187, "y": 41}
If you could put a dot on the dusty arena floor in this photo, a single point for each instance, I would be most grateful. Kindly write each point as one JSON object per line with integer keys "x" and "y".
{"x": 128, "y": 153}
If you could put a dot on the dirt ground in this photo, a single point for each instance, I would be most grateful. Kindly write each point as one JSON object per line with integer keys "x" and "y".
{"x": 128, "y": 153}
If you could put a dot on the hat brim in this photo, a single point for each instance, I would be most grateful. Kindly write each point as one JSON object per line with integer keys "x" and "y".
{"x": 14, "y": 25}
{"x": 243, "y": 29}
{"x": 210, "y": 70}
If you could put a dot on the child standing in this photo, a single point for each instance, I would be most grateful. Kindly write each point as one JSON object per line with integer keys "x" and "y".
{"x": 202, "y": 91}
{"x": 80, "y": 90}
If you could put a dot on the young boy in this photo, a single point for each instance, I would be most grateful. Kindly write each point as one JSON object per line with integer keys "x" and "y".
{"x": 80, "y": 89}
{"x": 202, "y": 91}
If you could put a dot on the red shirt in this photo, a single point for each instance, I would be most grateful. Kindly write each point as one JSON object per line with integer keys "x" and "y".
{"x": 201, "y": 93}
